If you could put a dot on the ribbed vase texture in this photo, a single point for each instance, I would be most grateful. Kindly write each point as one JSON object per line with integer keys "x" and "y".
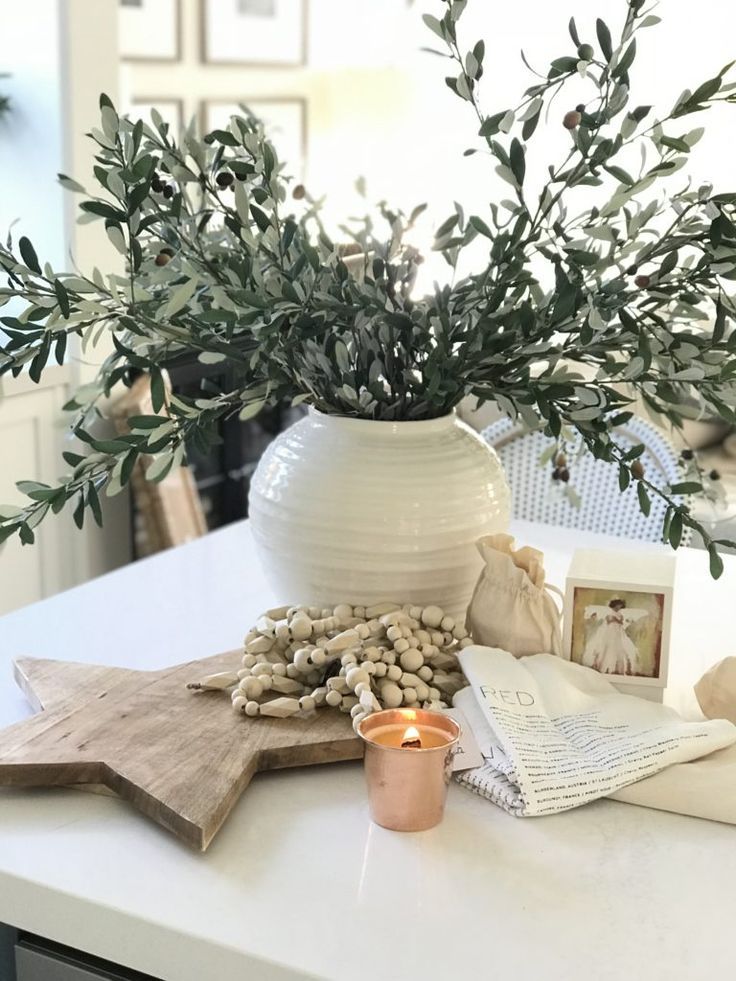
{"x": 349, "y": 510}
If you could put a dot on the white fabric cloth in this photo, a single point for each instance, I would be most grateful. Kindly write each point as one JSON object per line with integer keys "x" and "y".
{"x": 555, "y": 735}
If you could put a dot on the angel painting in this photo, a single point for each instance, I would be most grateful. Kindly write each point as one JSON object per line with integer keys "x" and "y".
{"x": 608, "y": 647}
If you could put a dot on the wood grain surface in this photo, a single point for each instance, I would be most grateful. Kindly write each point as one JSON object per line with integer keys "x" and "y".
{"x": 182, "y": 758}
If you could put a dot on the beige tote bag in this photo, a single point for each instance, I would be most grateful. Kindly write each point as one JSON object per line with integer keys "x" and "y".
{"x": 511, "y": 607}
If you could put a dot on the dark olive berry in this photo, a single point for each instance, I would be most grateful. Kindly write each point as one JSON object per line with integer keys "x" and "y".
{"x": 571, "y": 119}
{"x": 224, "y": 178}
{"x": 564, "y": 475}
{"x": 556, "y": 474}
{"x": 162, "y": 259}
{"x": 157, "y": 185}
{"x": 167, "y": 251}
{"x": 642, "y": 281}
{"x": 299, "y": 192}
{"x": 687, "y": 455}
{"x": 561, "y": 460}
{"x": 714, "y": 475}
{"x": 637, "y": 469}
{"x": 585, "y": 52}
{"x": 632, "y": 270}
{"x": 168, "y": 191}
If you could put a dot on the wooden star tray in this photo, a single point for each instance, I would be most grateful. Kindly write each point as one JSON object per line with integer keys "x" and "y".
{"x": 182, "y": 758}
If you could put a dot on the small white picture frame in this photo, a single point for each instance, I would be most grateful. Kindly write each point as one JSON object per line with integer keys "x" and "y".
{"x": 149, "y": 30}
{"x": 264, "y": 33}
{"x": 618, "y": 617}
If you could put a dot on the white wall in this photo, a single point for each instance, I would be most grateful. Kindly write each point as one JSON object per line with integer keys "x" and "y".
{"x": 31, "y": 138}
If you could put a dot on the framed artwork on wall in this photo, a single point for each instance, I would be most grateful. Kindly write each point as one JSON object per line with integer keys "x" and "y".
{"x": 267, "y": 33}
{"x": 170, "y": 109}
{"x": 149, "y": 30}
{"x": 285, "y": 119}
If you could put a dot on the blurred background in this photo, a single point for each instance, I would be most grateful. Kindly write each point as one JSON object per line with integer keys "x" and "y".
{"x": 347, "y": 93}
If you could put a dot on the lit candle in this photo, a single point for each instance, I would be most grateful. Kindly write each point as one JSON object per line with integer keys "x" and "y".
{"x": 408, "y": 764}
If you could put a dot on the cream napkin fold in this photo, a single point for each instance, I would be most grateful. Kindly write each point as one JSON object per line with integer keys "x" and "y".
{"x": 555, "y": 735}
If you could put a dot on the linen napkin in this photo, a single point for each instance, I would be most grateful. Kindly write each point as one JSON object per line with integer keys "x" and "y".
{"x": 555, "y": 735}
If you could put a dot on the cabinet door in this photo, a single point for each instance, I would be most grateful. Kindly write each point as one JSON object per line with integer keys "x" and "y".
{"x": 35, "y": 963}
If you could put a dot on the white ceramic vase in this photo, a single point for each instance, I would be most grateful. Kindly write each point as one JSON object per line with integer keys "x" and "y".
{"x": 350, "y": 510}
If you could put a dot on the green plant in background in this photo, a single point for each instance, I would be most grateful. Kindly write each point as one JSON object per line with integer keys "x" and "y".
{"x": 576, "y": 308}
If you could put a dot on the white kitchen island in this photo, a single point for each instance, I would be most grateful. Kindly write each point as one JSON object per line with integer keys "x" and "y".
{"x": 299, "y": 883}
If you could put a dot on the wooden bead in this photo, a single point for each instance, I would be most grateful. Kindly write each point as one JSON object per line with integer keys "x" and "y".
{"x": 343, "y": 611}
{"x": 348, "y": 638}
{"x": 320, "y": 695}
{"x": 301, "y": 628}
{"x": 283, "y": 635}
{"x": 266, "y": 627}
{"x": 318, "y": 657}
{"x": 278, "y": 612}
{"x": 394, "y": 633}
{"x": 263, "y": 668}
{"x": 347, "y": 702}
{"x": 372, "y": 654}
{"x": 285, "y": 686}
{"x": 459, "y": 632}
{"x": 302, "y": 661}
{"x": 393, "y": 672}
{"x": 280, "y": 708}
{"x": 252, "y": 687}
{"x": 357, "y": 719}
{"x": 362, "y": 631}
{"x": 465, "y": 642}
{"x": 314, "y": 612}
{"x": 239, "y": 703}
{"x": 411, "y": 660}
{"x": 380, "y": 670}
{"x": 381, "y": 609}
{"x": 409, "y": 680}
{"x": 369, "y": 702}
{"x": 333, "y": 698}
{"x": 248, "y": 660}
{"x": 425, "y": 673}
{"x": 422, "y": 691}
{"x": 422, "y": 636}
{"x": 260, "y": 645}
{"x": 347, "y": 659}
{"x": 409, "y": 696}
{"x": 437, "y": 638}
{"x": 357, "y": 710}
{"x": 266, "y": 682}
{"x": 280, "y": 669}
{"x": 415, "y": 612}
{"x": 406, "y": 633}
{"x": 447, "y": 624}
{"x": 359, "y": 611}
{"x": 432, "y": 616}
{"x": 434, "y": 694}
{"x": 389, "y": 657}
{"x": 307, "y": 703}
{"x": 338, "y": 683}
{"x": 355, "y": 675}
{"x": 243, "y": 673}
{"x": 401, "y": 645}
{"x": 391, "y": 695}
{"x": 292, "y": 671}
{"x": 252, "y": 709}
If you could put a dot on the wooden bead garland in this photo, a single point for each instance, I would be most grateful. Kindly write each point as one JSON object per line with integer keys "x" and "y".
{"x": 358, "y": 659}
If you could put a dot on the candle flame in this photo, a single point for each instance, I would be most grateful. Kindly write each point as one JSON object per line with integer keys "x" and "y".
{"x": 411, "y": 739}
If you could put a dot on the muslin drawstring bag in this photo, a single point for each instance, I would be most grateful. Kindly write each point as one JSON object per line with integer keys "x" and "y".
{"x": 511, "y": 607}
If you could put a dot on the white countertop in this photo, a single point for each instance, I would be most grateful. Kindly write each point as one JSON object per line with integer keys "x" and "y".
{"x": 299, "y": 883}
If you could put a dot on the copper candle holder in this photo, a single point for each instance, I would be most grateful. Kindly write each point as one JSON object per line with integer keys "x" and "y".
{"x": 408, "y": 765}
